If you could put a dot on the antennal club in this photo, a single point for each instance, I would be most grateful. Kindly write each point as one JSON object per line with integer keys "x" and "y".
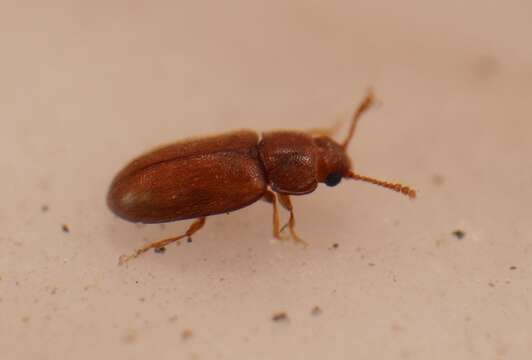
{"x": 405, "y": 190}
{"x": 362, "y": 108}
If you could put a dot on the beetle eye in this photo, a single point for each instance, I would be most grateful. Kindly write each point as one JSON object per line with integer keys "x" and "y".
{"x": 333, "y": 179}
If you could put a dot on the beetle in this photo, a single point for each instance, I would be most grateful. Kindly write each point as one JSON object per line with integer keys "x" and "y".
{"x": 196, "y": 178}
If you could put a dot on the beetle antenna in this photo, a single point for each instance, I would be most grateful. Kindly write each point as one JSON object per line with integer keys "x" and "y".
{"x": 362, "y": 108}
{"x": 405, "y": 190}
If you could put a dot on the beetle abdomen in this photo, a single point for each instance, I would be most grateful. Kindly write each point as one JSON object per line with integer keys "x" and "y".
{"x": 189, "y": 188}
{"x": 158, "y": 187}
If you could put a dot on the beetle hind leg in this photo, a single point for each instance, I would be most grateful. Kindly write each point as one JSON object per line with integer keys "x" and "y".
{"x": 287, "y": 204}
{"x": 195, "y": 226}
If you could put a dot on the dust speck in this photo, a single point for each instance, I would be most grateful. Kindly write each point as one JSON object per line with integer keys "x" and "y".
{"x": 187, "y": 334}
{"x": 397, "y": 328}
{"x": 438, "y": 179}
{"x": 172, "y": 319}
{"x": 65, "y": 228}
{"x": 45, "y": 208}
{"x": 513, "y": 267}
{"x": 486, "y": 67}
{"x": 130, "y": 337}
{"x": 25, "y": 319}
{"x": 160, "y": 250}
{"x": 316, "y": 311}
{"x": 280, "y": 317}
{"x": 459, "y": 234}
{"x": 502, "y": 349}
{"x": 440, "y": 242}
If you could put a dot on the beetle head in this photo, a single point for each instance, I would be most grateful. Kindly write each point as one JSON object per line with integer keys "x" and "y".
{"x": 333, "y": 163}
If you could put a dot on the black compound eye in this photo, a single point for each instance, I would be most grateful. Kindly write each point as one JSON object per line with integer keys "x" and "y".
{"x": 333, "y": 179}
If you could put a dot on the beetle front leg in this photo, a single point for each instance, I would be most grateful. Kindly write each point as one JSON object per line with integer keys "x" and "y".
{"x": 287, "y": 204}
{"x": 195, "y": 226}
{"x": 270, "y": 198}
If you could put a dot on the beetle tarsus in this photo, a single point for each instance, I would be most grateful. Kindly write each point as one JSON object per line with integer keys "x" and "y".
{"x": 194, "y": 227}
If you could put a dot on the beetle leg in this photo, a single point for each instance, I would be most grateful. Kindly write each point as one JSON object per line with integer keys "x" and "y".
{"x": 287, "y": 204}
{"x": 270, "y": 197}
{"x": 326, "y": 131}
{"x": 195, "y": 226}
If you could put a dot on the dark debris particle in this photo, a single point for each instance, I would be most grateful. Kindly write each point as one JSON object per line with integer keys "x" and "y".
{"x": 45, "y": 208}
{"x": 316, "y": 311}
{"x": 490, "y": 284}
{"x": 335, "y": 245}
{"x": 459, "y": 234}
{"x": 65, "y": 228}
{"x": 189, "y": 240}
{"x": 160, "y": 250}
{"x": 130, "y": 337}
{"x": 280, "y": 317}
{"x": 513, "y": 267}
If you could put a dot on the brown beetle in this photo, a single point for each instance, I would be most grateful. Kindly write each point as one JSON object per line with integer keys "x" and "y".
{"x": 197, "y": 178}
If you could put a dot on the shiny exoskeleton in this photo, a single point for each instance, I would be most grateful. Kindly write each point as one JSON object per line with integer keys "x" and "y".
{"x": 219, "y": 174}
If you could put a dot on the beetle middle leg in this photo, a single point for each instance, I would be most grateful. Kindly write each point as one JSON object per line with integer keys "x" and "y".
{"x": 270, "y": 197}
{"x": 195, "y": 226}
{"x": 287, "y": 204}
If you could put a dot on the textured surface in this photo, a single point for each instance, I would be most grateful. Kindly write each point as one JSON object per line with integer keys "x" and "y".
{"x": 86, "y": 86}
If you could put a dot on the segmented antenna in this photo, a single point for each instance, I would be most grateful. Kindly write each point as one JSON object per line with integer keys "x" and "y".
{"x": 362, "y": 108}
{"x": 405, "y": 190}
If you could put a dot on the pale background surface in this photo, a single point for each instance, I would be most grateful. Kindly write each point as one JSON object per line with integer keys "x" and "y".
{"x": 86, "y": 86}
